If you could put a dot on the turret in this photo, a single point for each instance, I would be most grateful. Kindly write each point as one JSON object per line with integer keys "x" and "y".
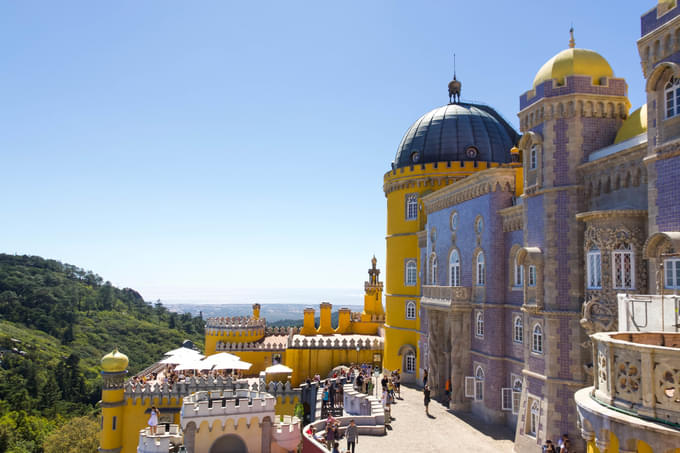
{"x": 256, "y": 311}
{"x": 325, "y": 326}
{"x": 344, "y": 320}
{"x": 373, "y": 288}
{"x": 114, "y": 369}
{"x": 308, "y": 322}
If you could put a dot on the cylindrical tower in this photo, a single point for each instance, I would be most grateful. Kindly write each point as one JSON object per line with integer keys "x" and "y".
{"x": 114, "y": 370}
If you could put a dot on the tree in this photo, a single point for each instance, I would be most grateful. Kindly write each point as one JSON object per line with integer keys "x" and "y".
{"x": 78, "y": 435}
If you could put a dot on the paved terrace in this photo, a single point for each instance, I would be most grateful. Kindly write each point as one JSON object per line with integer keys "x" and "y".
{"x": 413, "y": 431}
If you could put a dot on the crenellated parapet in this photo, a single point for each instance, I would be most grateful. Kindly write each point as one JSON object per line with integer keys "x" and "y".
{"x": 335, "y": 342}
{"x": 218, "y": 405}
{"x": 165, "y": 393}
{"x": 223, "y": 346}
{"x": 282, "y": 330}
{"x": 236, "y": 322}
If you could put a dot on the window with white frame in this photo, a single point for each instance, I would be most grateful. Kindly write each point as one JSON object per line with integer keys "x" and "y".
{"x": 433, "y": 269}
{"x": 532, "y": 275}
{"x": 479, "y": 384}
{"x": 411, "y": 206}
{"x": 479, "y": 324}
{"x": 410, "y": 310}
{"x": 533, "y": 157}
{"x": 410, "y": 365}
{"x": 518, "y": 330}
{"x": 481, "y": 277}
{"x": 454, "y": 266}
{"x": 594, "y": 269}
{"x": 623, "y": 265}
{"x": 534, "y": 413}
{"x": 510, "y": 396}
{"x": 537, "y": 339}
{"x": 672, "y": 93}
{"x": 672, "y": 268}
{"x": 519, "y": 274}
{"x": 411, "y": 273}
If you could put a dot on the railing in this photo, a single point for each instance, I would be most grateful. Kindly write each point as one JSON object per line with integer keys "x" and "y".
{"x": 639, "y": 373}
{"x": 445, "y": 296}
{"x": 646, "y": 313}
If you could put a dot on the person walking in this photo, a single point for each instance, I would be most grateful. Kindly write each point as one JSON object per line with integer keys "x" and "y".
{"x": 425, "y": 375}
{"x": 153, "y": 420}
{"x": 426, "y": 394}
{"x": 352, "y": 434}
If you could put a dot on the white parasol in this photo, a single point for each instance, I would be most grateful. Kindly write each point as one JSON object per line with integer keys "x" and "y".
{"x": 226, "y": 361}
{"x": 181, "y": 359}
{"x": 278, "y": 369}
{"x": 183, "y": 351}
{"x": 193, "y": 365}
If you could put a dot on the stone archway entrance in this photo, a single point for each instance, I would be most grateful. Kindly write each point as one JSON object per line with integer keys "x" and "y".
{"x": 231, "y": 443}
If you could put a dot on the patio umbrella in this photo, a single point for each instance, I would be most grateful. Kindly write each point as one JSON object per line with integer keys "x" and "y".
{"x": 193, "y": 365}
{"x": 225, "y": 361}
{"x": 183, "y": 351}
{"x": 180, "y": 359}
{"x": 278, "y": 369}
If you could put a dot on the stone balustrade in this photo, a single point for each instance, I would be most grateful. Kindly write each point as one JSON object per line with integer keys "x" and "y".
{"x": 639, "y": 373}
{"x": 446, "y": 297}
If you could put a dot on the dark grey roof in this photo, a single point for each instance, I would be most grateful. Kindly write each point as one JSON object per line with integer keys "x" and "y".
{"x": 447, "y": 133}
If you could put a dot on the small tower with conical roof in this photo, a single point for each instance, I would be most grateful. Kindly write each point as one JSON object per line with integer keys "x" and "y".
{"x": 114, "y": 369}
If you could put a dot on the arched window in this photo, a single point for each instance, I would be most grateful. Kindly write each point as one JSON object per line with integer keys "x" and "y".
{"x": 518, "y": 330}
{"x": 533, "y": 418}
{"x": 410, "y": 362}
{"x": 481, "y": 277}
{"x": 519, "y": 273}
{"x": 479, "y": 324}
{"x": 533, "y": 157}
{"x": 410, "y": 310}
{"x": 594, "y": 269}
{"x": 672, "y": 93}
{"x": 433, "y": 269}
{"x": 672, "y": 268}
{"x": 411, "y": 206}
{"x": 516, "y": 394}
{"x": 411, "y": 273}
{"x": 623, "y": 268}
{"x": 537, "y": 339}
{"x": 454, "y": 267}
{"x": 532, "y": 275}
{"x": 479, "y": 384}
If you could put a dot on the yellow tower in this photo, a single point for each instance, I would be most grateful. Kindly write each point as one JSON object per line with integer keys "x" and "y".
{"x": 441, "y": 147}
{"x": 114, "y": 370}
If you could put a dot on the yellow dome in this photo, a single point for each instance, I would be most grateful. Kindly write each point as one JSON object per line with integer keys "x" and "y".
{"x": 634, "y": 125}
{"x": 114, "y": 362}
{"x": 574, "y": 62}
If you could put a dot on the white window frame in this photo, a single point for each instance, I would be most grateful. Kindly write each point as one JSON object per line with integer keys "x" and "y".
{"x": 533, "y": 157}
{"x": 506, "y": 399}
{"x": 433, "y": 269}
{"x": 519, "y": 274}
{"x": 532, "y": 276}
{"x": 534, "y": 415}
{"x": 411, "y": 206}
{"x": 410, "y": 362}
{"x": 671, "y": 268}
{"x": 469, "y": 386}
{"x": 518, "y": 329}
{"x": 537, "y": 339}
{"x": 454, "y": 268}
{"x": 516, "y": 392}
{"x": 481, "y": 268}
{"x": 411, "y": 273}
{"x": 594, "y": 269}
{"x": 672, "y": 98}
{"x": 479, "y": 324}
{"x": 410, "y": 309}
{"x": 479, "y": 384}
{"x": 620, "y": 255}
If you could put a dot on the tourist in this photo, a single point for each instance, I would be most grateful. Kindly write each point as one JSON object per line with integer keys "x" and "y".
{"x": 563, "y": 439}
{"x": 424, "y": 378}
{"x": 336, "y": 447}
{"x": 153, "y": 420}
{"x": 426, "y": 394}
{"x": 331, "y": 394}
{"x": 330, "y": 434}
{"x": 352, "y": 434}
{"x": 549, "y": 447}
{"x": 566, "y": 447}
{"x": 397, "y": 382}
{"x": 447, "y": 389}
{"x": 339, "y": 396}
{"x": 325, "y": 397}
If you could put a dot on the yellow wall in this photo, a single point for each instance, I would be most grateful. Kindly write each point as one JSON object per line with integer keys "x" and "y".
{"x": 231, "y": 336}
{"x": 251, "y": 435}
{"x": 110, "y": 438}
{"x": 308, "y": 362}
{"x": 136, "y": 418}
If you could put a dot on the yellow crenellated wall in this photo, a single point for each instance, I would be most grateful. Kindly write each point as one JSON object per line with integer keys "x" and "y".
{"x": 136, "y": 417}
{"x": 225, "y": 335}
{"x": 248, "y": 429}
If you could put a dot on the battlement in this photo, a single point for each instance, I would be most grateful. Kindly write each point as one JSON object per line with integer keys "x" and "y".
{"x": 357, "y": 317}
{"x": 286, "y": 433}
{"x": 181, "y": 389}
{"x": 223, "y": 346}
{"x": 281, "y": 330}
{"x": 159, "y": 443}
{"x": 336, "y": 342}
{"x": 236, "y": 322}
{"x": 227, "y": 403}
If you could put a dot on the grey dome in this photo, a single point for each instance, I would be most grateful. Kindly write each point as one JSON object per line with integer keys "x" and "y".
{"x": 457, "y": 132}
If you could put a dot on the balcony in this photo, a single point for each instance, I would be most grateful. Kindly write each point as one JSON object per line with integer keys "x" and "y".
{"x": 446, "y": 297}
{"x": 649, "y": 313}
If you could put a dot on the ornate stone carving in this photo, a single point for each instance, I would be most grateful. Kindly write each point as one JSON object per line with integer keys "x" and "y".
{"x": 602, "y": 377}
{"x": 598, "y": 316}
{"x": 628, "y": 376}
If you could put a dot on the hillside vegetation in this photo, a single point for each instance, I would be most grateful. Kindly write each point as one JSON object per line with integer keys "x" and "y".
{"x": 56, "y": 322}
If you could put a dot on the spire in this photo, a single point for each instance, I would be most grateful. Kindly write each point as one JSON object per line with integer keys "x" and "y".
{"x": 454, "y": 85}
{"x": 572, "y": 43}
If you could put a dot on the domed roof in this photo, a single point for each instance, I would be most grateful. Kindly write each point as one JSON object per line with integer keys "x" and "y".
{"x": 114, "y": 362}
{"x": 574, "y": 61}
{"x": 457, "y": 132}
{"x": 634, "y": 125}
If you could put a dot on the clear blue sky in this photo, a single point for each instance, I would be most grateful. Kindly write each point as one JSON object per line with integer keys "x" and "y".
{"x": 186, "y": 147}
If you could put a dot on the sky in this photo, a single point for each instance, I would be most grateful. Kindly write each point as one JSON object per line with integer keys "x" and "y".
{"x": 191, "y": 150}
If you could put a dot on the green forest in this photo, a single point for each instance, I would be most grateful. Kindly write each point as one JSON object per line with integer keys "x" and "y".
{"x": 56, "y": 322}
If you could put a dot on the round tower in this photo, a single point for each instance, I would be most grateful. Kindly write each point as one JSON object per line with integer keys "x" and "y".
{"x": 238, "y": 329}
{"x": 114, "y": 369}
{"x": 440, "y": 148}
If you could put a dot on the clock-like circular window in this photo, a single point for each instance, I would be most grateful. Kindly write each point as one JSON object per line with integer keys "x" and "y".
{"x": 415, "y": 156}
{"x": 471, "y": 152}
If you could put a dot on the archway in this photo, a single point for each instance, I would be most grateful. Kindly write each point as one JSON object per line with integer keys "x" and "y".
{"x": 230, "y": 443}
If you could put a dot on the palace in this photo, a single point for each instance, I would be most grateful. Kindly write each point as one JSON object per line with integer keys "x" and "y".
{"x": 506, "y": 251}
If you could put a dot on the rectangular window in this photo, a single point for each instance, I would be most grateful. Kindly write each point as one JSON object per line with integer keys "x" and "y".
{"x": 672, "y": 267}
{"x": 411, "y": 273}
{"x": 532, "y": 275}
{"x": 519, "y": 274}
{"x": 469, "y": 386}
{"x": 506, "y": 399}
{"x": 622, "y": 269}
{"x": 411, "y": 206}
{"x": 594, "y": 269}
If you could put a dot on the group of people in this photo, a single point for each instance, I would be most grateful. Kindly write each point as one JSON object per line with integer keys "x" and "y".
{"x": 332, "y": 395}
{"x": 169, "y": 376}
{"x": 333, "y": 434}
{"x": 563, "y": 445}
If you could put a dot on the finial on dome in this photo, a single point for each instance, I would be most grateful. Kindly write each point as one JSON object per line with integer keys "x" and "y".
{"x": 572, "y": 43}
{"x": 454, "y": 85}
